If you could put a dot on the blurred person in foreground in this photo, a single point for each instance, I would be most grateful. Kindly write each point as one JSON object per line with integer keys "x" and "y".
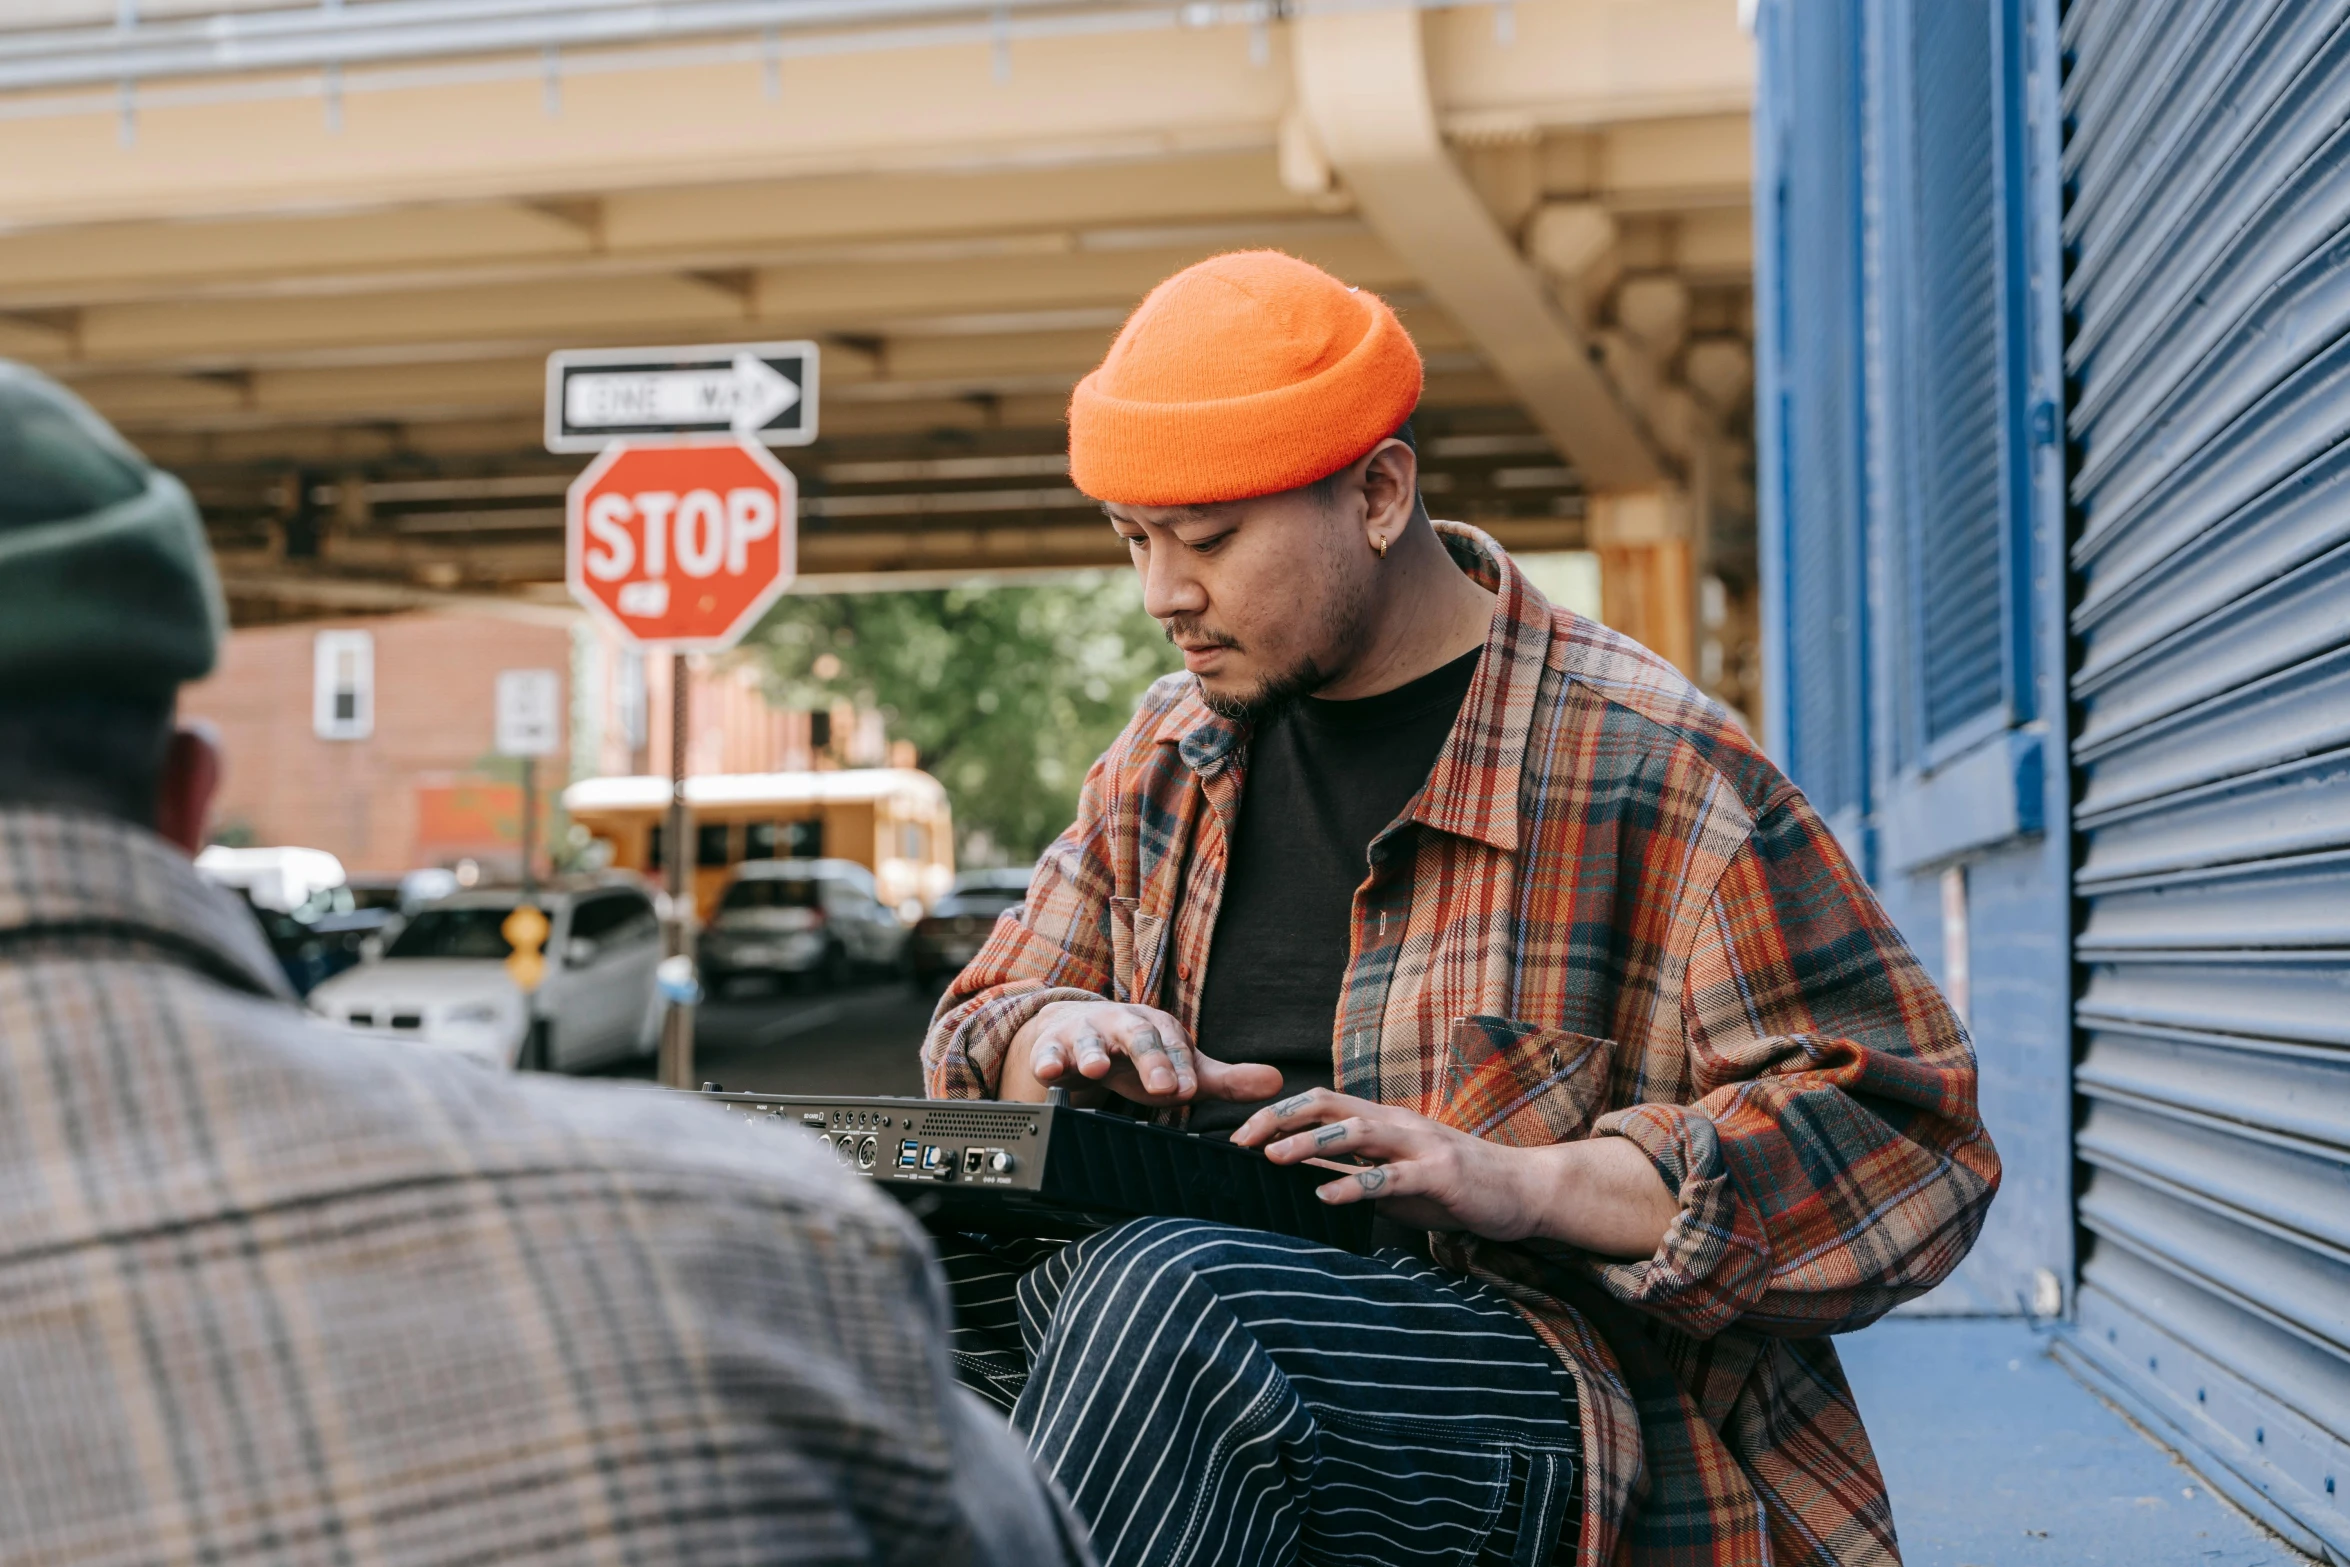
{"x": 276, "y": 1295}
{"x": 1489, "y": 909}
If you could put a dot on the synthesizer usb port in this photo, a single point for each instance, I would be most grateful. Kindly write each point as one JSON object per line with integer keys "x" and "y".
{"x": 909, "y": 1154}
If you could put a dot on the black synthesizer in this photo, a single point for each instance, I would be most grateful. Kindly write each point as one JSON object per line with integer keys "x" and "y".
{"x": 997, "y": 1167}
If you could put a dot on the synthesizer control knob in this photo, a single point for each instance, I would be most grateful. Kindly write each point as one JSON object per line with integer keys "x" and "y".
{"x": 1001, "y": 1163}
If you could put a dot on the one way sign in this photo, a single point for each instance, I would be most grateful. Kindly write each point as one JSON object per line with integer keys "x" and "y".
{"x": 757, "y": 391}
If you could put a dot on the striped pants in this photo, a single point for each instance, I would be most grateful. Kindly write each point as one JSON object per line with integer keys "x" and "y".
{"x": 1210, "y": 1395}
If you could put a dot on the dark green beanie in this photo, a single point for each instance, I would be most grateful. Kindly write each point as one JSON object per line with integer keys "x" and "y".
{"x": 106, "y": 583}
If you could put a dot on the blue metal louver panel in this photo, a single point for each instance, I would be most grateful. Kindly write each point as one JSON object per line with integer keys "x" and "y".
{"x": 1819, "y": 346}
{"x": 1959, "y": 604}
{"x": 2208, "y": 221}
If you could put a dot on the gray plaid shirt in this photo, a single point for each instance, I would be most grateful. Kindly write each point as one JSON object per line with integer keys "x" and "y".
{"x": 271, "y": 1293}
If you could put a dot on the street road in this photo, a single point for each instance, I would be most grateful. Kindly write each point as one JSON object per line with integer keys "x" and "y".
{"x": 861, "y": 1040}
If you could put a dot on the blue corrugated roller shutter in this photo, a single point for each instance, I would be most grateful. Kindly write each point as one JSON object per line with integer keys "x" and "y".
{"x": 1821, "y": 344}
{"x": 1960, "y": 610}
{"x": 2208, "y": 225}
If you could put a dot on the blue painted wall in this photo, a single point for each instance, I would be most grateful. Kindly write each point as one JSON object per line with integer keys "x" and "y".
{"x": 1933, "y": 342}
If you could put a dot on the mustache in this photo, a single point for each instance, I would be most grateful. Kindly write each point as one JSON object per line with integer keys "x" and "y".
{"x": 1196, "y": 633}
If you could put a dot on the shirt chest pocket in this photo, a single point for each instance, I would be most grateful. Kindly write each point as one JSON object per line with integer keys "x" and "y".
{"x": 1521, "y": 1084}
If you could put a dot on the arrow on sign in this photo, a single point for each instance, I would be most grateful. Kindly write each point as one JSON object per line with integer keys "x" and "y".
{"x": 746, "y": 396}
{"x": 764, "y": 393}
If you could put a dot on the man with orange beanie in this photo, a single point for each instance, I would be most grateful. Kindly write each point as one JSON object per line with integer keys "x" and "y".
{"x": 1486, "y": 906}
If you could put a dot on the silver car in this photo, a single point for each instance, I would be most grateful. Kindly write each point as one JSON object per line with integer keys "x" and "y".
{"x": 958, "y": 924}
{"x": 443, "y": 982}
{"x": 810, "y": 919}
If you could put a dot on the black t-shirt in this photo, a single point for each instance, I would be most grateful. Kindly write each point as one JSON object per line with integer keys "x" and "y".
{"x": 1324, "y": 779}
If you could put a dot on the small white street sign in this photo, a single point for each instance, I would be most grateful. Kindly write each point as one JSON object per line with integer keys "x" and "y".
{"x": 763, "y": 392}
{"x": 530, "y": 703}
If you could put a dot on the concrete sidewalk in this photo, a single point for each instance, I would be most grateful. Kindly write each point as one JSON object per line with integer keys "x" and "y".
{"x": 1997, "y": 1458}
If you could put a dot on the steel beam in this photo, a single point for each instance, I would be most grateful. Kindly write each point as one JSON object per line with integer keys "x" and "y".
{"x": 1362, "y": 83}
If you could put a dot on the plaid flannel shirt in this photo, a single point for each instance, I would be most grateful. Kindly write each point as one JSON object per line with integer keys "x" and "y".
{"x": 273, "y": 1293}
{"x": 1606, "y": 914}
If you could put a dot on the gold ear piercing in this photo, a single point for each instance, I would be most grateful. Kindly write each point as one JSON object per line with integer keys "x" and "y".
{"x": 1379, "y": 546}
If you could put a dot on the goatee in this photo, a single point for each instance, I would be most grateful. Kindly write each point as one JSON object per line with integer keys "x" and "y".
{"x": 1272, "y": 697}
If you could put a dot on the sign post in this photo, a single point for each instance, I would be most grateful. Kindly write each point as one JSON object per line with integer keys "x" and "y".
{"x": 678, "y": 536}
{"x": 677, "y": 1024}
{"x": 529, "y": 707}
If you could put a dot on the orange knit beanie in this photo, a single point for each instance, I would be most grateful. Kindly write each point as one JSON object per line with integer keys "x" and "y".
{"x": 1246, "y": 374}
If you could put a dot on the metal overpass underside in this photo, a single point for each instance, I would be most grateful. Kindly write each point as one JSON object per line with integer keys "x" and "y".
{"x": 312, "y": 258}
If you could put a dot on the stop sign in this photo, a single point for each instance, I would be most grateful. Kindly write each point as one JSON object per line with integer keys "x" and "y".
{"x": 682, "y": 546}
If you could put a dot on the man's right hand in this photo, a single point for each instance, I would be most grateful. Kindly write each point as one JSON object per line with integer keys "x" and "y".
{"x": 1097, "y": 1048}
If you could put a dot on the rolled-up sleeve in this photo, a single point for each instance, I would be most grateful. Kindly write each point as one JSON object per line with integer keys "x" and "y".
{"x": 1056, "y": 946}
{"x": 1833, "y": 1163}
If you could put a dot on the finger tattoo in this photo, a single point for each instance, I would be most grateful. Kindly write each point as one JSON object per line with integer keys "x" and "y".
{"x": 1372, "y": 1179}
{"x": 1291, "y": 1106}
{"x": 1148, "y": 1043}
{"x": 1328, "y": 1135}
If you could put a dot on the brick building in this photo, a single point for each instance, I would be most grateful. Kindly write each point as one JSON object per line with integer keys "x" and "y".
{"x": 374, "y": 738}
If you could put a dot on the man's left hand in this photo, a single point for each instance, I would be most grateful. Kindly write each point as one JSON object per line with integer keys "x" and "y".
{"x": 1601, "y": 1194}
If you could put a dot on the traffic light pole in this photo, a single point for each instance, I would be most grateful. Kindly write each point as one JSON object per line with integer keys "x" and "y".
{"x": 677, "y": 1024}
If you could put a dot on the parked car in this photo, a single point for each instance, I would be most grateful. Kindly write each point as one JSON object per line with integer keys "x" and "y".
{"x": 315, "y": 922}
{"x": 442, "y": 981}
{"x": 951, "y": 934}
{"x": 309, "y": 951}
{"x": 389, "y": 900}
{"x": 281, "y": 877}
{"x": 806, "y": 919}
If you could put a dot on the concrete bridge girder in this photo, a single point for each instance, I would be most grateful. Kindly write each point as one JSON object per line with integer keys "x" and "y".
{"x": 283, "y": 308}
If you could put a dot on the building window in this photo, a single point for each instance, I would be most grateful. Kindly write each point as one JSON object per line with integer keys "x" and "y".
{"x": 1957, "y": 577}
{"x": 342, "y": 701}
{"x": 1953, "y": 452}
{"x": 710, "y": 844}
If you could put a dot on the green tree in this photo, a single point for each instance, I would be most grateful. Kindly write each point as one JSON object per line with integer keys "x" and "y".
{"x": 1007, "y": 693}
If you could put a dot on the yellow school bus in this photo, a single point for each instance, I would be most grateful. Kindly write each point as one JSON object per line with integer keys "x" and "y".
{"x": 893, "y": 821}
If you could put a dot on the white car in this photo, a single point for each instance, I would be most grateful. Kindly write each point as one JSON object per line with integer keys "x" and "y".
{"x": 442, "y": 983}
